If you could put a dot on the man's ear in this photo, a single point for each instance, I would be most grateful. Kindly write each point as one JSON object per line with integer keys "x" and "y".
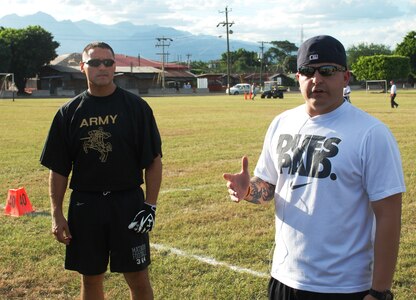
{"x": 81, "y": 66}
{"x": 347, "y": 77}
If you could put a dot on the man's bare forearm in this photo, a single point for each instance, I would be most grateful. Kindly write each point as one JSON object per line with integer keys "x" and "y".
{"x": 57, "y": 189}
{"x": 260, "y": 191}
{"x": 153, "y": 178}
{"x": 387, "y": 239}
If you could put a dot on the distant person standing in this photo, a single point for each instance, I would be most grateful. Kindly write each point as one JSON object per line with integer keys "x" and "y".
{"x": 347, "y": 92}
{"x": 253, "y": 91}
{"x": 393, "y": 93}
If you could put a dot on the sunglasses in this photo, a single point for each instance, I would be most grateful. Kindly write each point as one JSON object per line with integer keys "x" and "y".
{"x": 97, "y": 62}
{"x": 325, "y": 71}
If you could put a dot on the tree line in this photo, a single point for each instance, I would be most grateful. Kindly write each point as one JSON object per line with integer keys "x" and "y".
{"x": 367, "y": 61}
{"x": 24, "y": 51}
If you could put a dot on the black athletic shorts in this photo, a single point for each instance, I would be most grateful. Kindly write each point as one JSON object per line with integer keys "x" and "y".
{"x": 280, "y": 291}
{"x": 98, "y": 222}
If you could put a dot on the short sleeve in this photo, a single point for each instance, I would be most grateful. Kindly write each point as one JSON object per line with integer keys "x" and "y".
{"x": 152, "y": 142}
{"x": 381, "y": 162}
{"x": 55, "y": 154}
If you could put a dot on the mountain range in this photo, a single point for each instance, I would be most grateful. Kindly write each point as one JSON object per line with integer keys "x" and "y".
{"x": 130, "y": 39}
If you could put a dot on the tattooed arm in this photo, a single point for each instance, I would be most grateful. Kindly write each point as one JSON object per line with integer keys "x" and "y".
{"x": 241, "y": 187}
{"x": 260, "y": 191}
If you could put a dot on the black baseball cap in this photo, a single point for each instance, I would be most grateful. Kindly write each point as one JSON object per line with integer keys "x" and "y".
{"x": 321, "y": 49}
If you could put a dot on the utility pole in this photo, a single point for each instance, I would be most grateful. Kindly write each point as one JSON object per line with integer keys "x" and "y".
{"x": 261, "y": 61}
{"x": 188, "y": 60}
{"x": 163, "y": 42}
{"x": 227, "y": 25}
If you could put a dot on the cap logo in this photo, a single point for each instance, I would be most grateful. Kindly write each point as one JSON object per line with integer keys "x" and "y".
{"x": 313, "y": 56}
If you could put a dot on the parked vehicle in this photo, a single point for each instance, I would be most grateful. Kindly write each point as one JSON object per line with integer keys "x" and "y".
{"x": 239, "y": 88}
{"x": 272, "y": 90}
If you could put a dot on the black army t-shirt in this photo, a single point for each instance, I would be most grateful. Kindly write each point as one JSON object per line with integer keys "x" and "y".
{"x": 105, "y": 141}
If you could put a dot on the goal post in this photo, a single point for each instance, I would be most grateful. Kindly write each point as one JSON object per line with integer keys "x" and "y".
{"x": 376, "y": 86}
{"x": 7, "y": 85}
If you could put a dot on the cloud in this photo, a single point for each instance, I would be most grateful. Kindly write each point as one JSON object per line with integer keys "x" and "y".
{"x": 352, "y": 21}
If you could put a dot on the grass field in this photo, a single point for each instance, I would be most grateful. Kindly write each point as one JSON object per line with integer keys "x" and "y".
{"x": 221, "y": 249}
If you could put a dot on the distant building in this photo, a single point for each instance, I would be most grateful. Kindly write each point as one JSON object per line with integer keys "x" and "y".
{"x": 63, "y": 77}
{"x": 215, "y": 82}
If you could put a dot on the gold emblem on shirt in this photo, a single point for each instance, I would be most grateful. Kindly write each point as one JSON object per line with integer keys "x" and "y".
{"x": 96, "y": 141}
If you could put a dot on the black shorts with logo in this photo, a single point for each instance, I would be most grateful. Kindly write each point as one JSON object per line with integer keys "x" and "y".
{"x": 98, "y": 222}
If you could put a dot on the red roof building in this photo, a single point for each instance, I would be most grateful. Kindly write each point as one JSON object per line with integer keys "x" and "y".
{"x": 133, "y": 73}
{"x": 125, "y": 60}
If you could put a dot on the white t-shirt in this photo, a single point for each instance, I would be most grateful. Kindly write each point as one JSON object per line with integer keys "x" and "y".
{"x": 326, "y": 170}
{"x": 347, "y": 90}
{"x": 393, "y": 89}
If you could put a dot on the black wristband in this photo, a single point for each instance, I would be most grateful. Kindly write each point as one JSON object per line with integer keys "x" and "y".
{"x": 385, "y": 295}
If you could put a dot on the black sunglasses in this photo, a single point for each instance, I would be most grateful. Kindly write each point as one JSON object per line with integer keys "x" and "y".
{"x": 98, "y": 62}
{"x": 325, "y": 71}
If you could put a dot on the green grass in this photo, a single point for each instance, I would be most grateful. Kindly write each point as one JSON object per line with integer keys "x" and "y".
{"x": 203, "y": 137}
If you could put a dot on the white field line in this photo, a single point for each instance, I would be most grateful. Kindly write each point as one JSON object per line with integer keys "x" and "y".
{"x": 208, "y": 260}
{"x": 204, "y": 259}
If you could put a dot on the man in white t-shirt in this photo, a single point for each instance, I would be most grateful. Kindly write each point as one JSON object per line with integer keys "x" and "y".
{"x": 346, "y": 93}
{"x": 336, "y": 177}
{"x": 393, "y": 93}
{"x": 253, "y": 91}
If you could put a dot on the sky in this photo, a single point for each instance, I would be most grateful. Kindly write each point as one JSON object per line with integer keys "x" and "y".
{"x": 351, "y": 21}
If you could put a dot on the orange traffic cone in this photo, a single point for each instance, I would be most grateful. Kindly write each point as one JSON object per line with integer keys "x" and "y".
{"x": 18, "y": 203}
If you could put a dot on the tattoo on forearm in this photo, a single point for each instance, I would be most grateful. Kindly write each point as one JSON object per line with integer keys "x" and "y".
{"x": 261, "y": 191}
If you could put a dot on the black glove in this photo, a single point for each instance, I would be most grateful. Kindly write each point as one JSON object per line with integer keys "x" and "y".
{"x": 145, "y": 220}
